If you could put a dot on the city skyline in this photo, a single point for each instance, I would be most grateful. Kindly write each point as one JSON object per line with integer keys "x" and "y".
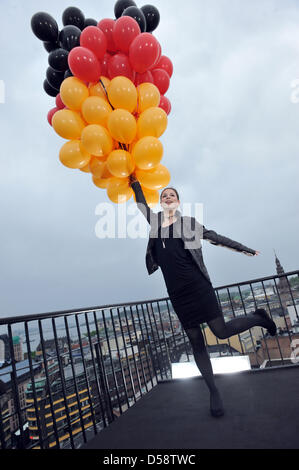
{"x": 231, "y": 145}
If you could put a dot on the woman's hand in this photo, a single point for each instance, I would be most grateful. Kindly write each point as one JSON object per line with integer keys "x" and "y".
{"x": 251, "y": 254}
{"x": 132, "y": 178}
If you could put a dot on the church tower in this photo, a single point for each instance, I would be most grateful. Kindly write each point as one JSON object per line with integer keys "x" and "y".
{"x": 282, "y": 283}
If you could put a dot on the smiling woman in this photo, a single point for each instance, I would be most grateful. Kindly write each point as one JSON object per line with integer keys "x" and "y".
{"x": 188, "y": 283}
{"x": 169, "y": 200}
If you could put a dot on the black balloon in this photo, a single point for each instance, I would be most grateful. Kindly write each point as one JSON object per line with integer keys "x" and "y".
{"x": 68, "y": 73}
{"x": 69, "y": 37}
{"x": 138, "y": 15}
{"x": 74, "y": 16}
{"x": 58, "y": 60}
{"x": 54, "y": 78}
{"x": 121, "y": 5}
{"x": 44, "y": 27}
{"x": 152, "y": 17}
{"x": 49, "y": 89}
{"x": 90, "y": 22}
{"x": 51, "y": 46}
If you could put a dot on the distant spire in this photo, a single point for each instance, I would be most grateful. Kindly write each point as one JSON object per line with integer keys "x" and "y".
{"x": 283, "y": 286}
{"x": 279, "y": 268}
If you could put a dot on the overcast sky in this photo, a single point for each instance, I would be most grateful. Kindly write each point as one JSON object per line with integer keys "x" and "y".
{"x": 232, "y": 144}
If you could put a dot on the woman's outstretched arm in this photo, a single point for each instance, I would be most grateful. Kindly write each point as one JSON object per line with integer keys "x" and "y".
{"x": 141, "y": 201}
{"x": 216, "y": 239}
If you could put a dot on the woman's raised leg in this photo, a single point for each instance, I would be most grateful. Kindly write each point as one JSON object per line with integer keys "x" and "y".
{"x": 224, "y": 330}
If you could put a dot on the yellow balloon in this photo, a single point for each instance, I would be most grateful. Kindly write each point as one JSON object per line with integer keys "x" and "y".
{"x": 122, "y": 93}
{"x": 100, "y": 182}
{"x": 120, "y": 163}
{"x": 152, "y": 197}
{"x": 148, "y": 96}
{"x": 68, "y": 124}
{"x": 119, "y": 190}
{"x": 156, "y": 178}
{"x": 147, "y": 152}
{"x": 97, "y": 166}
{"x": 96, "y": 110}
{"x": 96, "y": 140}
{"x": 153, "y": 121}
{"x": 106, "y": 173}
{"x": 122, "y": 126}
{"x": 73, "y": 92}
{"x": 85, "y": 169}
{"x": 97, "y": 89}
{"x": 73, "y": 155}
{"x": 103, "y": 180}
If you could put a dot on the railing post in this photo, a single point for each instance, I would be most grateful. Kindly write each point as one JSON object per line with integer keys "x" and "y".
{"x": 169, "y": 361}
{"x": 15, "y": 389}
{"x": 2, "y": 436}
{"x": 104, "y": 386}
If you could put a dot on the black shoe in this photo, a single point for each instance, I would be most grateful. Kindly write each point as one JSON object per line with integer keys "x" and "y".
{"x": 269, "y": 323}
{"x": 216, "y": 405}
{"x": 217, "y": 413}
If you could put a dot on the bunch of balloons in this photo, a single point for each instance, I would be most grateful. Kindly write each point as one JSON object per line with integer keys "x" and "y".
{"x": 109, "y": 81}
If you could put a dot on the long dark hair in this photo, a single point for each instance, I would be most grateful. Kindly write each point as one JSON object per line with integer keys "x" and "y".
{"x": 177, "y": 194}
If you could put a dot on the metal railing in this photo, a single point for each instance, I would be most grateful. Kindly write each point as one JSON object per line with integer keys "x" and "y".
{"x": 66, "y": 375}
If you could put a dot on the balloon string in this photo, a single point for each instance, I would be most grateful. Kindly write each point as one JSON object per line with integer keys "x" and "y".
{"x": 106, "y": 94}
{"x": 121, "y": 145}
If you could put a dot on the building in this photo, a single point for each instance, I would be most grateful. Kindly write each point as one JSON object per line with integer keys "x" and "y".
{"x": 18, "y": 349}
{"x": 9, "y": 388}
{"x": 64, "y": 408}
{"x": 50, "y": 346}
{"x": 5, "y": 352}
{"x": 5, "y": 428}
{"x": 278, "y": 348}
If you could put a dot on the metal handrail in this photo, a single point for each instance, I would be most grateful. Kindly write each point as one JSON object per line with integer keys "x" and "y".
{"x": 146, "y": 342}
{"x": 58, "y": 313}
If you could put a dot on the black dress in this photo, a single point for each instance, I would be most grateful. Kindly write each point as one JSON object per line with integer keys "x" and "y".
{"x": 192, "y": 295}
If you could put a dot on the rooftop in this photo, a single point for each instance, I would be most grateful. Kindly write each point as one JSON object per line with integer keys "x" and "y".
{"x": 261, "y": 412}
{"x": 22, "y": 368}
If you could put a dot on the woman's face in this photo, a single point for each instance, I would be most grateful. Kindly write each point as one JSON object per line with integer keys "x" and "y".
{"x": 169, "y": 200}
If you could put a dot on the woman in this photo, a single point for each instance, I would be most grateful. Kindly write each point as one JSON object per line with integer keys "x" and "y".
{"x": 174, "y": 246}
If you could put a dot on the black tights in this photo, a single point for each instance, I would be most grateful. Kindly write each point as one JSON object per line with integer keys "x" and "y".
{"x": 222, "y": 330}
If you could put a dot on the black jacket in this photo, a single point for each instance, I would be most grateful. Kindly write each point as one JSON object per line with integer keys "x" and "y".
{"x": 190, "y": 231}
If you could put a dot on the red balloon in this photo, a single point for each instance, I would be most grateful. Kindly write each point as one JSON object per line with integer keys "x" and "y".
{"x": 84, "y": 64}
{"x": 161, "y": 80}
{"x": 95, "y": 40}
{"x": 51, "y": 114}
{"x": 107, "y": 26}
{"x": 143, "y": 52}
{"x": 165, "y": 104}
{"x": 104, "y": 64}
{"x": 158, "y": 56}
{"x": 119, "y": 64}
{"x": 143, "y": 78}
{"x": 126, "y": 29}
{"x": 59, "y": 103}
{"x": 165, "y": 64}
